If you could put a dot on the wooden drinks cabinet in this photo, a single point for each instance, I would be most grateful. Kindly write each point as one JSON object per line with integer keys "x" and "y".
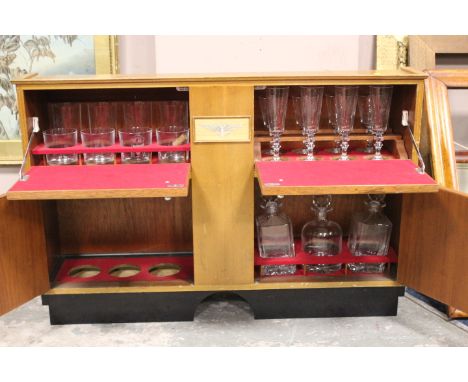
{"x": 128, "y": 243}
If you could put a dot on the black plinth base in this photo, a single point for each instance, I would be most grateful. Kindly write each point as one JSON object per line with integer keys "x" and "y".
{"x": 181, "y": 306}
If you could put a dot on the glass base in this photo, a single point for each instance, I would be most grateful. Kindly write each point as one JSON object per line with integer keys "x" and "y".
{"x": 61, "y": 159}
{"x": 136, "y": 158}
{"x": 343, "y": 158}
{"x": 172, "y": 157}
{"x": 97, "y": 159}
{"x": 367, "y": 267}
{"x": 323, "y": 268}
{"x": 277, "y": 270}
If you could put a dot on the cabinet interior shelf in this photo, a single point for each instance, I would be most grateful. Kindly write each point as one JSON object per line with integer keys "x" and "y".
{"x": 360, "y": 176}
{"x": 41, "y": 149}
{"x": 106, "y": 181}
{"x": 345, "y": 257}
{"x": 117, "y": 269}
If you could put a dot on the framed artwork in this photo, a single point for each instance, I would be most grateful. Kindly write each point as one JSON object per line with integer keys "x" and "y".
{"x": 45, "y": 55}
{"x": 391, "y": 52}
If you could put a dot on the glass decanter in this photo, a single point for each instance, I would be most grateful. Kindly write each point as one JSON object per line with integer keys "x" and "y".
{"x": 275, "y": 238}
{"x": 370, "y": 235}
{"x": 322, "y": 237}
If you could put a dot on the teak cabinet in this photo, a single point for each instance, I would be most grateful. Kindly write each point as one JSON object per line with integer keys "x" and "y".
{"x": 196, "y": 220}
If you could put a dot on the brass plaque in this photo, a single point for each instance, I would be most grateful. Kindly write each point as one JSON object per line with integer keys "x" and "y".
{"x": 221, "y": 129}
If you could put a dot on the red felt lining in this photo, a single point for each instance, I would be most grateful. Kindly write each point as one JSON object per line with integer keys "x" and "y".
{"x": 341, "y": 173}
{"x": 116, "y": 148}
{"x": 108, "y": 177}
{"x": 145, "y": 263}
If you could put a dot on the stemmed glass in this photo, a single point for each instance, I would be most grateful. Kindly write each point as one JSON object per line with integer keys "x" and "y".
{"x": 345, "y": 106}
{"x": 296, "y": 101}
{"x": 331, "y": 111}
{"x": 380, "y": 97}
{"x": 274, "y": 106}
{"x": 307, "y": 109}
{"x": 364, "y": 106}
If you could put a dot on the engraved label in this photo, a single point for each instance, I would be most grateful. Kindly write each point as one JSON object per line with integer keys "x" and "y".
{"x": 226, "y": 129}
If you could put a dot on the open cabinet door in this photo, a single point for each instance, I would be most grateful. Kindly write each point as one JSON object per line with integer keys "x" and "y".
{"x": 434, "y": 246}
{"x": 23, "y": 256}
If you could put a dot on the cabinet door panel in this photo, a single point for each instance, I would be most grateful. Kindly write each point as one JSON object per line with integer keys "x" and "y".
{"x": 23, "y": 256}
{"x": 434, "y": 246}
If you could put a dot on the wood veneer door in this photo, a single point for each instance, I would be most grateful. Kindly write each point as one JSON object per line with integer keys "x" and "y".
{"x": 23, "y": 256}
{"x": 434, "y": 246}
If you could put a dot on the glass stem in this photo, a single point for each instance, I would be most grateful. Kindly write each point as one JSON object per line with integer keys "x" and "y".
{"x": 310, "y": 144}
{"x": 344, "y": 145}
{"x": 370, "y": 140}
{"x": 378, "y": 146}
{"x": 275, "y": 146}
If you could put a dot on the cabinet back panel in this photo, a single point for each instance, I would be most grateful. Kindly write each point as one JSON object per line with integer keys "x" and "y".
{"x": 124, "y": 225}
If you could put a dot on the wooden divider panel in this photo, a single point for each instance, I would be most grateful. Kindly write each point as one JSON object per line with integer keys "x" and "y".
{"x": 223, "y": 191}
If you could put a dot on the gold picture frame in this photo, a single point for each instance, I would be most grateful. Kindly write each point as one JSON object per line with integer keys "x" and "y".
{"x": 105, "y": 61}
{"x": 391, "y": 52}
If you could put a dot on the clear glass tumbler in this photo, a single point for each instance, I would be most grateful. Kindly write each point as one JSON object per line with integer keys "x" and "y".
{"x": 60, "y": 138}
{"x": 100, "y": 132}
{"x": 136, "y": 137}
{"x": 172, "y": 130}
{"x": 98, "y": 137}
{"x": 165, "y": 137}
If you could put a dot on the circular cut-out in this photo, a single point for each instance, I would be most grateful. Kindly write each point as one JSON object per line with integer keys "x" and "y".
{"x": 84, "y": 271}
{"x": 164, "y": 270}
{"x": 124, "y": 270}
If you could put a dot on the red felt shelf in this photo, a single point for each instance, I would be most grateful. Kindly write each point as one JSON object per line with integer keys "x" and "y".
{"x": 80, "y": 149}
{"x": 342, "y": 177}
{"x": 345, "y": 257}
{"x": 107, "y": 181}
{"x": 144, "y": 263}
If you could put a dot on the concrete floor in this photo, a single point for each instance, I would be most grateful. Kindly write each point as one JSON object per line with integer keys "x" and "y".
{"x": 230, "y": 323}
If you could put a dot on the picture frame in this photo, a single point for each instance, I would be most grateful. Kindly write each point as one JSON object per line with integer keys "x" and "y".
{"x": 423, "y": 50}
{"x": 39, "y": 51}
{"x": 391, "y": 52}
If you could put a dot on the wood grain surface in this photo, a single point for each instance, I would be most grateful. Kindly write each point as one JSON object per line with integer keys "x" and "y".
{"x": 23, "y": 254}
{"x": 124, "y": 225}
{"x": 222, "y": 192}
{"x": 434, "y": 246}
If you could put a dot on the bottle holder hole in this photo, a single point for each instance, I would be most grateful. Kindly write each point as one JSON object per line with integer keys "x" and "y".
{"x": 124, "y": 270}
{"x": 164, "y": 270}
{"x": 84, "y": 271}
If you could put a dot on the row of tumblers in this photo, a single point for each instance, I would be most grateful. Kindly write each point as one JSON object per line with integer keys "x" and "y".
{"x": 104, "y": 137}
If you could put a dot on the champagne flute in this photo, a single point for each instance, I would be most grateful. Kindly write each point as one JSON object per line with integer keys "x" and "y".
{"x": 330, "y": 103}
{"x": 309, "y": 115}
{"x": 275, "y": 107}
{"x": 345, "y": 106}
{"x": 381, "y": 97}
{"x": 364, "y": 106}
